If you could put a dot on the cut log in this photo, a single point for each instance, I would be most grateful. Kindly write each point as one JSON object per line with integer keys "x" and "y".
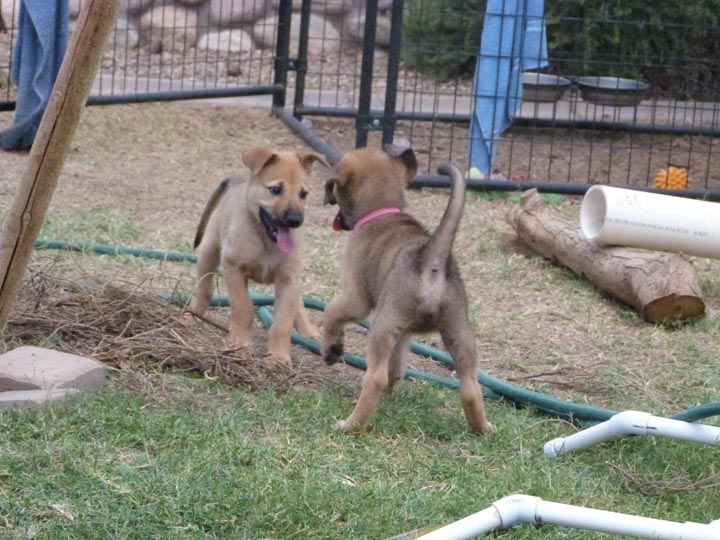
{"x": 662, "y": 287}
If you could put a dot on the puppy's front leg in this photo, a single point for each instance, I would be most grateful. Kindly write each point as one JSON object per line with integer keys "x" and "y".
{"x": 287, "y": 304}
{"x": 304, "y": 325}
{"x": 340, "y": 311}
{"x": 242, "y": 310}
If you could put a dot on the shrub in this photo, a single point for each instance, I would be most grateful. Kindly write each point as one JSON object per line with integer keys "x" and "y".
{"x": 442, "y": 37}
{"x": 673, "y": 45}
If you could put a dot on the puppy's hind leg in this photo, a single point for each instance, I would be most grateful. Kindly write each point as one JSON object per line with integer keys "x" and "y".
{"x": 458, "y": 339}
{"x": 398, "y": 361}
{"x": 382, "y": 341}
{"x": 340, "y": 311}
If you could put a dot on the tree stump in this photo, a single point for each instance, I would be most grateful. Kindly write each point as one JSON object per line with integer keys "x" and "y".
{"x": 662, "y": 287}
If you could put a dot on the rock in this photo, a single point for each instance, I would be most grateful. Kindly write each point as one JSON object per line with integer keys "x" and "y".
{"x": 28, "y": 368}
{"x": 333, "y": 8}
{"x": 191, "y": 3}
{"x": 136, "y": 7}
{"x": 9, "y": 10}
{"x": 124, "y": 36}
{"x": 323, "y": 36}
{"x": 31, "y": 398}
{"x": 234, "y": 68}
{"x": 168, "y": 28}
{"x": 234, "y": 41}
{"x": 74, "y": 9}
{"x": 233, "y": 12}
{"x": 354, "y": 27}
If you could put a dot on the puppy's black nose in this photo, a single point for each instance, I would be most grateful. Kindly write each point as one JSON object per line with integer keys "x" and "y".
{"x": 293, "y": 218}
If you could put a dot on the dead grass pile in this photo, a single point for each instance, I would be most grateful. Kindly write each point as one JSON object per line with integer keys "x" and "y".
{"x": 133, "y": 330}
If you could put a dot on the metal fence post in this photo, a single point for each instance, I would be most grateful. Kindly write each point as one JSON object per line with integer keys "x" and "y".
{"x": 282, "y": 51}
{"x": 390, "y": 119}
{"x": 363, "y": 121}
{"x": 301, "y": 62}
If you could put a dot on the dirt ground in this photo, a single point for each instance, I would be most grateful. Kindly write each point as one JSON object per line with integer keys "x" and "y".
{"x": 150, "y": 168}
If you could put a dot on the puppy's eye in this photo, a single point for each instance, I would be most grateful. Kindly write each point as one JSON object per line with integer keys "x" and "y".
{"x": 275, "y": 190}
{"x": 303, "y": 194}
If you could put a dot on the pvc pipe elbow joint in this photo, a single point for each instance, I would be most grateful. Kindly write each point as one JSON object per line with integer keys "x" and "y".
{"x": 623, "y": 423}
{"x": 516, "y": 509}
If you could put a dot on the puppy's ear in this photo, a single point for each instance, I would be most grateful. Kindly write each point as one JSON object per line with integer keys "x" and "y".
{"x": 307, "y": 158}
{"x": 257, "y": 159}
{"x": 406, "y": 156}
{"x": 330, "y": 192}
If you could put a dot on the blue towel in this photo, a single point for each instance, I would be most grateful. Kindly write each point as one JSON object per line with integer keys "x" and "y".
{"x": 38, "y": 53}
{"x": 513, "y": 40}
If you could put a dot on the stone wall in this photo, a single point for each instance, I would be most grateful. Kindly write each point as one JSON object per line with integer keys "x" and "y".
{"x": 235, "y": 26}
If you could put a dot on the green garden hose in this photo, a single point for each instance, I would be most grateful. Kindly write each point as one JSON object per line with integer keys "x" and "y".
{"x": 518, "y": 396}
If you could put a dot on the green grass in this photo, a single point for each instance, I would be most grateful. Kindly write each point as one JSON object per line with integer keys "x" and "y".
{"x": 99, "y": 225}
{"x": 207, "y": 461}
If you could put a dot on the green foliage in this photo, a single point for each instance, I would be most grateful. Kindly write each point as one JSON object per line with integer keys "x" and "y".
{"x": 100, "y": 225}
{"x": 673, "y": 45}
{"x": 196, "y": 460}
{"x": 443, "y": 37}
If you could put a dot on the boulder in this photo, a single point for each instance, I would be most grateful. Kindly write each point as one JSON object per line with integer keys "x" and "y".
{"x": 333, "y": 8}
{"x": 136, "y": 7}
{"x": 323, "y": 36}
{"x": 9, "y": 10}
{"x": 124, "y": 36}
{"x": 168, "y": 28}
{"x": 191, "y": 3}
{"x": 354, "y": 27}
{"x": 234, "y": 12}
{"x": 233, "y": 41}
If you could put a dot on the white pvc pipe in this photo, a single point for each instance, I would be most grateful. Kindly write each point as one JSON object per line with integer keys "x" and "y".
{"x": 625, "y": 217}
{"x": 519, "y": 509}
{"x": 633, "y": 423}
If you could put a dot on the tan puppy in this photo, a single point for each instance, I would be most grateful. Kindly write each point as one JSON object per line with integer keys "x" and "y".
{"x": 251, "y": 228}
{"x": 408, "y": 277}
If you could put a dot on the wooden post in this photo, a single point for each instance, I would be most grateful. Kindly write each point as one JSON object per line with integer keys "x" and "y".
{"x": 22, "y": 223}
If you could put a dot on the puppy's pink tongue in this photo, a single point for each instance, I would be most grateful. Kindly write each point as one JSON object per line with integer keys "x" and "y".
{"x": 285, "y": 240}
{"x": 337, "y": 223}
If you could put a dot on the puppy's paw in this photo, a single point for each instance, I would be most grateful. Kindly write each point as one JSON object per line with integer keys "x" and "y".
{"x": 348, "y": 426}
{"x": 281, "y": 360}
{"x": 485, "y": 428}
{"x": 187, "y": 319}
{"x": 313, "y": 333}
{"x": 333, "y": 353}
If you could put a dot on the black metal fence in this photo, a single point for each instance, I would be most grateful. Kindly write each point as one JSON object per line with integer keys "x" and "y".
{"x": 626, "y": 90}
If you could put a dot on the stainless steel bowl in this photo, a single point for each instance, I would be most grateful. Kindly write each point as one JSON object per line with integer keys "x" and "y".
{"x": 612, "y": 90}
{"x": 543, "y": 88}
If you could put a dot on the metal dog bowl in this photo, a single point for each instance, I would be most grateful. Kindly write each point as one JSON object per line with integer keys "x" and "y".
{"x": 612, "y": 90}
{"x": 543, "y": 88}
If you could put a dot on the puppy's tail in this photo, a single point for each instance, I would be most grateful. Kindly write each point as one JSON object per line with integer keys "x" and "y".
{"x": 210, "y": 208}
{"x": 437, "y": 251}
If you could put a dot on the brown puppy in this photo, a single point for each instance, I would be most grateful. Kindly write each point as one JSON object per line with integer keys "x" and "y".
{"x": 392, "y": 266}
{"x": 251, "y": 227}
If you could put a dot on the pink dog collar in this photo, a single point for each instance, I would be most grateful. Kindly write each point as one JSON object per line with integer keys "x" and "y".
{"x": 372, "y": 215}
